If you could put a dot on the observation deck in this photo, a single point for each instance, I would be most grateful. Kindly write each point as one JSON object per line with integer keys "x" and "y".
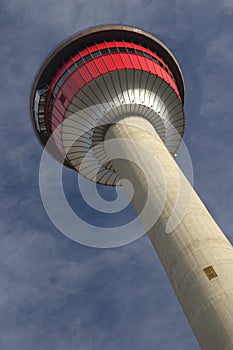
{"x": 94, "y": 79}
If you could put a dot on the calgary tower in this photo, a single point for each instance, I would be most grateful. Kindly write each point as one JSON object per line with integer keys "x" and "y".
{"x": 133, "y": 89}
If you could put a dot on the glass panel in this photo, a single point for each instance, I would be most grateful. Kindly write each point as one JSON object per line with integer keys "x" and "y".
{"x": 104, "y": 51}
{"x": 87, "y": 58}
{"x": 95, "y": 54}
{"x": 130, "y": 50}
{"x": 113, "y": 49}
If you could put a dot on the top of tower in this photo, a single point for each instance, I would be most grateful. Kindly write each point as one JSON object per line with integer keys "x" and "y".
{"x": 93, "y": 79}
{"x": 102, "y": 33}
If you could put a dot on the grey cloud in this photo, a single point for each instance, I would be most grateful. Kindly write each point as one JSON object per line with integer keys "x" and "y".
{"x": 55, "y": 293}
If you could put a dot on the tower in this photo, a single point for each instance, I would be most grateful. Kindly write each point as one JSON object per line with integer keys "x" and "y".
{"x": 120, "y": 83}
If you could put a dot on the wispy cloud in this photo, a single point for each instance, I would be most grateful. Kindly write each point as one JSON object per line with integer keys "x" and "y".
{"x": 56, "y": 293}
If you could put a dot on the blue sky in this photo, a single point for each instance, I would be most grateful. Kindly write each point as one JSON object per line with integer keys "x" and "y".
{"x": 57, "y": 294}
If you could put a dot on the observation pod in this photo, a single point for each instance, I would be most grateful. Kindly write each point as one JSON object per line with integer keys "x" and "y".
{"x": 120, "y": 83}
{"x": 96, "y": 78}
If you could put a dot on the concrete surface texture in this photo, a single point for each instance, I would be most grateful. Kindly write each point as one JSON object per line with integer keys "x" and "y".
{"x": 196, "y": 255}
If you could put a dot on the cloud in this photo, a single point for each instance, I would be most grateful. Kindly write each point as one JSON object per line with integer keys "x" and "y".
{"x": 58, "y": 294}
{"x": 227, "y": 5}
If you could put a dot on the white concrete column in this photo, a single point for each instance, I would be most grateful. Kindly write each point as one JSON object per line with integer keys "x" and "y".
{"x": 196, "y": 256}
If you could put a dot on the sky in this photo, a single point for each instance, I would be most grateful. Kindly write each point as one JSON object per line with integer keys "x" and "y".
{"x": 56, "y": 293}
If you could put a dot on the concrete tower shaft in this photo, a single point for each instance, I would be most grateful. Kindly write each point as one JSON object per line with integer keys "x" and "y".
{"x": 196, "y": 256}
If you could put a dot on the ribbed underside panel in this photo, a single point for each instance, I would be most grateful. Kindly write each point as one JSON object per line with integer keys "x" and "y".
{"x": 107, "y": 99}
